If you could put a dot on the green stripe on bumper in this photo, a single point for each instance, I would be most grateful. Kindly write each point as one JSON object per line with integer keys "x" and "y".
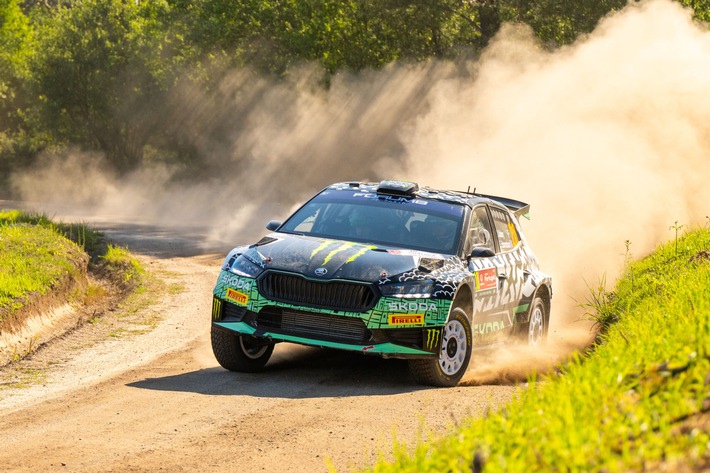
{"x": 380, "y": 348}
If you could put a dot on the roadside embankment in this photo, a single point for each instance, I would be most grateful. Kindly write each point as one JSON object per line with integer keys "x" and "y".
{"x": 52, "y": 278}
{"x": 639, "y": 399}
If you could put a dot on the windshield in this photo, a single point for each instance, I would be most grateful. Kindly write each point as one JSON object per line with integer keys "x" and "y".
{"x": 427, "y": 225}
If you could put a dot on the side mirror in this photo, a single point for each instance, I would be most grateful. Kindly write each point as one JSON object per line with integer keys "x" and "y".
{"x": 273, "y": 225}
{"x": 482, "y": 252}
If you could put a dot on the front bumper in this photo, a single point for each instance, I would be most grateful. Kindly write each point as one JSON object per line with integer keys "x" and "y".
{"x": 384, "y": 349}
{"x": 286, "y": 324}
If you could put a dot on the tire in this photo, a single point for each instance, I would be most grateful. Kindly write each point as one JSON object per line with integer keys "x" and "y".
{"x": 242, "y": 353}
{"x": 535, "y": 332}
{"x": 454, "y": 354}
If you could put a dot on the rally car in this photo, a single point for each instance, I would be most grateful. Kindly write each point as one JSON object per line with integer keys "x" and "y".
{"x": 389, "y": 269}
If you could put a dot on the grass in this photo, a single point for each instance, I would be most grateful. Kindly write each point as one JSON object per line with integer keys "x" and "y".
{"x": 36, "y": 253}
{"x": 631, "y": 403}
{"x": 119, "y": 261}
{"x": 88, "y": 240}
{"x": 33, "y": 259}
{"x": 25, "y": 378}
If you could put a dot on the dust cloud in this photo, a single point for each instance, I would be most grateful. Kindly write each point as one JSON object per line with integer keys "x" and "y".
{"x": 608, "y": 140}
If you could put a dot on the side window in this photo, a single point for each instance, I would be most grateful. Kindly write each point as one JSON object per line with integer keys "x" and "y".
{"x": 479, "y": 231}
{"x": 508, "y": 236}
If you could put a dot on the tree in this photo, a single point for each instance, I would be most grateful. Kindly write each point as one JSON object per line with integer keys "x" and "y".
{"x": 15, "y": 48}
{"x": 102, "y": 69}
{"x": 701, "y": 8}
{"x": 558, "y": 22}
{"x": 350, "y": 34}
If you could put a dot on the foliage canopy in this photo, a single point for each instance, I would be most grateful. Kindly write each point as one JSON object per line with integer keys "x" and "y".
{"x": 104, "y": 75}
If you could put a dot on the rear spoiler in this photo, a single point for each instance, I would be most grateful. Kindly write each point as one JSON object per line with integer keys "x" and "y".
{"x": 519, "y": 209}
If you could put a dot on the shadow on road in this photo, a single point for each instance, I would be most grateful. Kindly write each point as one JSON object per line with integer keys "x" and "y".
{"x": 161, "y": 241}
{"x": 309, "y": 374}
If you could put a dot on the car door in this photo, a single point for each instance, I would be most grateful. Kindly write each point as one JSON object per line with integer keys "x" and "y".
{"x": 480, "y": 246}
{"x": 509, "y": 264}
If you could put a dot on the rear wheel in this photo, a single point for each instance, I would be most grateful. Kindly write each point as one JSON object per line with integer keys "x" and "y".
{"x": 454, "y": 354}
{"x": 237, "y": 352}
{"x": 534, "y": 332}
{"x": 537, "y": 326}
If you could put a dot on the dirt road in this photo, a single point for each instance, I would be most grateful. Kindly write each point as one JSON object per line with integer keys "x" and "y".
{"x": 156, "y": 400}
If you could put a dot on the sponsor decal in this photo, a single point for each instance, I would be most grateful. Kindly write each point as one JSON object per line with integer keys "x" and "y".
{"x": 486, "y": 279}
{"x": 391, "y": 198}
{"x": 334, "y": 252}
{"x": 236, "y": 296}
{"x": 488, "y": 327}
{"x": 410, "y": 306}
{"x": 321, "y": 247}
{"x": 432, "y": 339}
{"x": 342, "y": 247}
{"x": 405, "y": 319}
{"x": 236, "y": 282}
{"x": 388, "y": 198}
{"x": 216, "y": 309}
{"x": 368, "y": 348}
{"x": 359, "y": 253}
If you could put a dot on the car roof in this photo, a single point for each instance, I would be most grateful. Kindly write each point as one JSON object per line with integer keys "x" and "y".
{"x": 407, "y": 189}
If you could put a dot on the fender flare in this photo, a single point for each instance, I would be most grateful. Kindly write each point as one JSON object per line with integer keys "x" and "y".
{"x": 463, "y": 297}
{"x": 544, "y": 291}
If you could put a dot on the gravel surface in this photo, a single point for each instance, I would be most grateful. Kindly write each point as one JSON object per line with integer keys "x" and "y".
{"x": 141, "y": 391}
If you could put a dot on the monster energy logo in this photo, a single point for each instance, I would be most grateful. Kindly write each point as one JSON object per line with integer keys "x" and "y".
{"x": 432, "y": 339}
{"x": 342, "y": 247}
{"x": 216, "y": 309}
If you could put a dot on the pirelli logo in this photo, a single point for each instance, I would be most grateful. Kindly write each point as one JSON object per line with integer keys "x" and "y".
{"x": 406, "y": 319}
{"x": 236, "y": 296}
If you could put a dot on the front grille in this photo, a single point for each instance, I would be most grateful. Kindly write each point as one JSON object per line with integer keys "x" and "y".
{"x": 324, "y": 327}
{"x": 339, "y": 295}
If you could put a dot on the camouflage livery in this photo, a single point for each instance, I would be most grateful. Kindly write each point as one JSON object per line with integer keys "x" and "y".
{"x": 380, "y": 296}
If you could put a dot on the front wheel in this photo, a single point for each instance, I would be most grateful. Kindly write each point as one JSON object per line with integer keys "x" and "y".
{"x": 242, "y": 353}
{"x": 454, "y": 354}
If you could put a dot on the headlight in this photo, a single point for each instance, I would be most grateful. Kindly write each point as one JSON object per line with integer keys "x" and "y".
{"x": 409, "y": 290}
{"x": 245, "y": 267}
{"x": 229, "y": 260}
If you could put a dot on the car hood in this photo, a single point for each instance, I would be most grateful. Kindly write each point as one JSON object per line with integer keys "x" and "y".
{"x": 320, "y": 258}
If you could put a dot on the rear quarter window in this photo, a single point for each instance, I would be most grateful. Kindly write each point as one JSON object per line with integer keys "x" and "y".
{"x": 508, "y": 236}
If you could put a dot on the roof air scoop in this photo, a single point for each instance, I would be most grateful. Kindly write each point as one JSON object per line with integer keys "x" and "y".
{"x": 399, "y": 188}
